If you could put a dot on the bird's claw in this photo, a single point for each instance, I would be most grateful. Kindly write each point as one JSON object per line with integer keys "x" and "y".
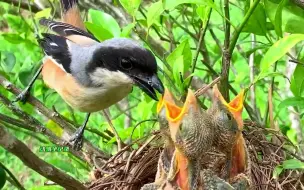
{"x": 22, "y": 97}
{"x": 77, "y": 139}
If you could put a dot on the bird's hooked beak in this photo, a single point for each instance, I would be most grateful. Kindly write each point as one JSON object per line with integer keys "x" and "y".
{"x": 235, "y": 106}
{"x": 149, "y": 85}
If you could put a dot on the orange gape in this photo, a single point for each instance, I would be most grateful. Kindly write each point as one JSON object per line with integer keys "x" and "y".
{"x": 174, "y": 115}
{"x": 235, "y": 106}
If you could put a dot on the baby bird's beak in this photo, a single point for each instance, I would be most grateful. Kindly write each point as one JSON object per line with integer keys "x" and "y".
{"x": 235, "y": 106}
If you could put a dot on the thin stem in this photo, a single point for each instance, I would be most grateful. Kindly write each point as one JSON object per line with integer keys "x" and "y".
{"x": 200, "y": 42}
{"x": 17, "y": 183}
{"x": 241, "y": 26}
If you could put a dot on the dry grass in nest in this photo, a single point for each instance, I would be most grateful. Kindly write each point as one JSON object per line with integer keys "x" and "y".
{"x": 267, "y": 149}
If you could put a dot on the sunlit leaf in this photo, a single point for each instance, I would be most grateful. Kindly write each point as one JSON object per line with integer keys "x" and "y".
{"x": 182, "y": 49}
{"x": 44, "y": 13}
{"x": 277, "y": 171}
{"x": 297, "y": 81}
{"x": 131, "y": 6}
{"x": 178, "y": 70}
{"x": 51, "y": 125}
{"x": 98, "y": 31}
{"x": 153, "y": 13}
{"x": 202, "y": 12}
{"x": 292, "y": 136}
{"x": 279, "y": 49}
{"x": 105, "y": 21}
{"x": 47, "y": 187}
{"x": 293, "y": 164}
{"x": 126, "y": 31}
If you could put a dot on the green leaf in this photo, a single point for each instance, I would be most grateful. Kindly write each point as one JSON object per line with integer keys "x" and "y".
{"x": 104, "y": 20}
{"x": 44, "y": 13}
{"x": 8, "y": 62}
{"x": 297, "y": 81}
{"x": 292, "y": 136}
{"x": 257, "y": 21}
{"x": 277, "y": 171}
{"x": 2, "y": 177}
{"x": 178, "y": 69}
{"x": 126, "y": 31}
{"x": 278, "y": 19}
{"x": 292, "y": 16}
{"x": 202, "y": 12}
{"x": 54, "y": 127}
{"x": 264, "y": 75}
{"x": 98, "y": 31}
{"x": 153, "y": 12}
{"x": 47, "y": 187}
{"x": 13, "y": 38}
{"x": 131, "y": 6}
{"x": 249, "y": 52}
{"x": 182, "y": 49}
{"x": 62, "y": 164}
{"x": 25, "y": 76}
{"x": 279, "y": 49}
{"x": 171, "y": 4}
{"x": 294, "y": 101}
{"x": 293, "y": 164}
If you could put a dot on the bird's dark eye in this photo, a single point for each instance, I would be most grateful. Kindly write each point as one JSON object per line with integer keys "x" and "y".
{"x": 126, "y": 64}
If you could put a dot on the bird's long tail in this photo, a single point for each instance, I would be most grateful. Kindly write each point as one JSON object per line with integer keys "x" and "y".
{"x": 71, "y": 14}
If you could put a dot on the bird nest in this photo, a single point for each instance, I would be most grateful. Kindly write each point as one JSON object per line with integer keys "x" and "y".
{"x": 267, "y": 148}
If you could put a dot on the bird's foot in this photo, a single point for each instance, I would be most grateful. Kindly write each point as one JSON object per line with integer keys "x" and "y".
{"x": 77, "y": 139}
{"x": 23, "y": 96}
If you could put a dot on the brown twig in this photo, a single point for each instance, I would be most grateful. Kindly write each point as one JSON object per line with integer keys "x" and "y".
{"x": 223, "y": 87}
{"x": 118, "y": 139}
{"x": 201, "y": 91}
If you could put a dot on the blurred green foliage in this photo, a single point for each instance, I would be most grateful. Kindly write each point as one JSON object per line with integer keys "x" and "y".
{"x": 175, "y": 25}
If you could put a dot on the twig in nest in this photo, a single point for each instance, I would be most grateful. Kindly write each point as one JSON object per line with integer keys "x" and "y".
{"x": 201, "y": 91}
{"x": 119, "y": 143}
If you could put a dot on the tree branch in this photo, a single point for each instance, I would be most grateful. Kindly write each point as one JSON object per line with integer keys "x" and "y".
{"x": 33, "y": 125}
{"x": 226, "y": 55}
{"x": 19, "y": 149}
{"x": 51, "y": 115}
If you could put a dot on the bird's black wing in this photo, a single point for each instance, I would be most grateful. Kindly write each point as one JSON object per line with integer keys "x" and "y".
{"x": 64, "y": 29}
{"x": 56, "y": 47}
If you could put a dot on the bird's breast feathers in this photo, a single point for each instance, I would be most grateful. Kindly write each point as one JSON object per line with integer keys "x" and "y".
{"x": 110, "y": 87}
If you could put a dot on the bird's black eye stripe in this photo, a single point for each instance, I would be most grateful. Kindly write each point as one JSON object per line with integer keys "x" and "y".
{"x": 126, "y": 64}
